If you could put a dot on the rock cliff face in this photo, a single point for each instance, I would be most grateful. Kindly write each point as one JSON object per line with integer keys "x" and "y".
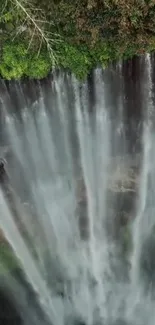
{"x": 2, "y": 176}
{"x": 122, "y": 191}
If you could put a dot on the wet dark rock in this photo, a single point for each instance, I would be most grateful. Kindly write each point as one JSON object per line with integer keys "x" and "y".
{"x": 2, "y": 170}
{"x": 22, "y": 301}
{"x": 148, "y": 261}
{"x": 119, "y": 321}
{"x": 8, "y": 310}
{"x": 79, "y": 322}
{"x": 75, "y": 321}
{"x": 83, "y": 220}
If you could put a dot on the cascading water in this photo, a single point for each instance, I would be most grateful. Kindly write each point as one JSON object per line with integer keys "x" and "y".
{"x": 70, "y": 168}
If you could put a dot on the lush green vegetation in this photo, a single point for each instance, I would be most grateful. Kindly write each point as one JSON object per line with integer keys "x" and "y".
{"x": 36, "y": 35}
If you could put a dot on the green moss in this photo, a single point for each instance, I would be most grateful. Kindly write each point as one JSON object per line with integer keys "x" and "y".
{"x": 8, "y": 261}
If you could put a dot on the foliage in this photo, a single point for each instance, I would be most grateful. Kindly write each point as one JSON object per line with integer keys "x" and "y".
{"x": 14, "y": 63}
{"x": 17, "y": 62}
{"x": 38, "y": 66}
{"x": 74, "y": 34}
{"x": 75, "y": 58}
{"x": 28, "y": 22}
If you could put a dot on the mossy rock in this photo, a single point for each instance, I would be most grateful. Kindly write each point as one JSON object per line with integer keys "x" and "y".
{"x": 8, "y": 260}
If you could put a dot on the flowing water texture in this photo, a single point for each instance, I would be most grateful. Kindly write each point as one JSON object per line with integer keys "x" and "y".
{"x": 72, "y": 159}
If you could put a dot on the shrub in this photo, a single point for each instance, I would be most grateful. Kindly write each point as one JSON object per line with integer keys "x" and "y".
{"x": 17, "y": 62}
{"x": 75, "y": 58}
{"x": 14, "y": 61}
{"x": 38, "y": 66}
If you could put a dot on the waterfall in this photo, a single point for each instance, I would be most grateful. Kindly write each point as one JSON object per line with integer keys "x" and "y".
{"x": 77, "y": 179}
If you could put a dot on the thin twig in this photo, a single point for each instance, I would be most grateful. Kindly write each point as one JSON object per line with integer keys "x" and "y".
{"x": 5, "y": 5}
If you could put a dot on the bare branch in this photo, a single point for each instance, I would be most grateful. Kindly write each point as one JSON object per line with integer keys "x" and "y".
{"x": 40, "y": 47}
{"x": 20, "y": 29}
{"x": 45, "y": 36}
{"x": 31, "y": 38}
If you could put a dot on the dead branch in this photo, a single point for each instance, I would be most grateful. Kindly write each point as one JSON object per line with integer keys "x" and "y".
{"x": 44, "y": 35}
